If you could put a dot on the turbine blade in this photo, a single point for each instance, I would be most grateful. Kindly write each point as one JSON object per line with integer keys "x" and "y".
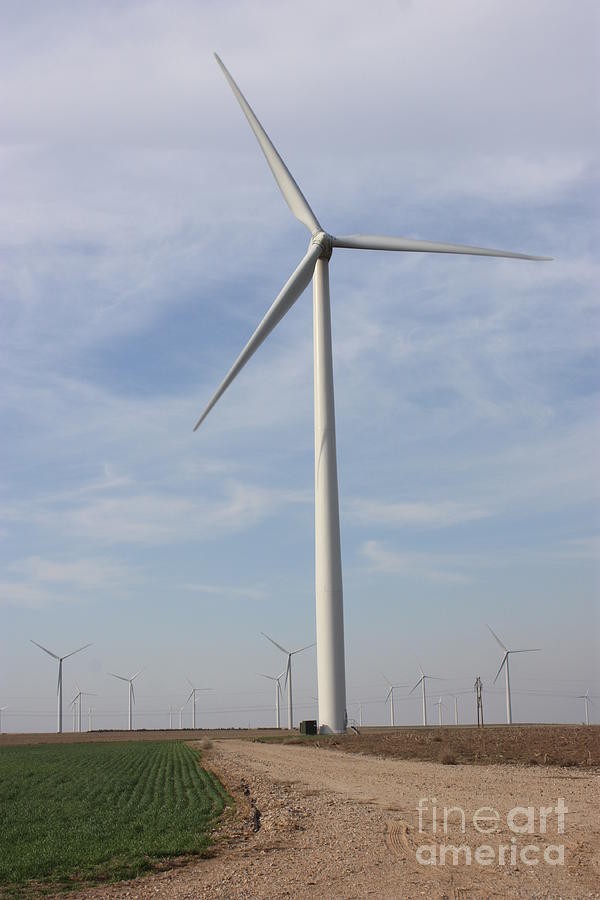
{"x": 121, "y": 677}
{"x": 189, "y": 682}
{"x": 49, "y": 652}
{"x": 136, "y": 674}
{"x": 529, "y": 650}
{"x": 416, "y": 685}
{"x": 387, "y": 696}
{"x": 284, "y": 301}
{"x": 504, "y": 658}
{"x": 67, "y": 655}
{"x": 270, "y": 677}
{"x": 287, "y": 671}
{"x": 132, "y": 690}
{"x": 283, "y": 650}
{"x": 300, "y": 649}
{"x": 190, "y": 695}
{"x": 384, "y": 676}
{"x": 376, "y": 242}
{"x": 498, "y": 641}
{"x": 294, "y": 197}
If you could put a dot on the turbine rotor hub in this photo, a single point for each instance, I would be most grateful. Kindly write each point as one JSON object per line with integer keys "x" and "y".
{"x": 323, "y": 240}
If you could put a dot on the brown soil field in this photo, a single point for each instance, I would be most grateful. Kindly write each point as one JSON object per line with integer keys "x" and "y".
{"x": 552, "y": 745}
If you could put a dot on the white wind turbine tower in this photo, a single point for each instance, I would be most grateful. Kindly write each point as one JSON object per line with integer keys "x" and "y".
{"x": 277, "y": 680}
{"x": 585, "y": 697}
{"x": 90, "y": 711}
{"x": 2, "y": 708}
{"x": 193, "y": 698}
{"x": 440, "y": 708}
{"x": 76, "y": 704}
{"x": 131, "y": 694}
{"x": 390, "y": 696}
{"x": 181, "y": 709}
{"x": 60, "y": 659}
{"x": 288, "y": 674}
{"x": 315, "y": 265}
{"x": 421, "y": 682}
{"x": 360, "y": 719}
{"x": 456, "y": 710}
{"x": 505, "y": 663}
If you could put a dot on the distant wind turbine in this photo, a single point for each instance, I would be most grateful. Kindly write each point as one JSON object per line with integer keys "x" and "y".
{"x": 421, "y": 682}
{"x": 131, "y": 694}
{"x": 288, "y": 674}
{"x": 60, "y": 659}
{"x": 440, "y": 708}
{"x": 390, "y": 696}
{"x": 193, "y": 698}
{"x": 315, "y": 265}
{"x": 76, "y": 704}
{"x": 277, "y": 680}
{"x": 90, "y": 711}
{"x": 2, "y": 708}
{"x": 586, "y": 699}
{"x": 360, "y": 719}
{"x": 505, "y": 663}
{"x": 456, "y": 710}
{"x": 181, "y": 709}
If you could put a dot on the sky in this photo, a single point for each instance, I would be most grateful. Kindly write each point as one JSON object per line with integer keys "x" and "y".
{"x": 142, "y": 239}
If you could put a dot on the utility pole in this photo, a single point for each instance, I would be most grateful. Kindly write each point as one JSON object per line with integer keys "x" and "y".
{"x": 479, "y": 695}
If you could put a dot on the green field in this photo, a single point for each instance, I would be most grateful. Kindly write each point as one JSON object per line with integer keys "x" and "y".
{"x": 84, "y": 812}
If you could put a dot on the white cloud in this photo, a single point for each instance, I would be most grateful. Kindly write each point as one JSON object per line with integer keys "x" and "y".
{"x": 226, "y": 590}
{"x": 138, "y": 517}
{"x": 430, "y": 567}
{"x": 44, "y": 582}
{"x": 437, "y": 515}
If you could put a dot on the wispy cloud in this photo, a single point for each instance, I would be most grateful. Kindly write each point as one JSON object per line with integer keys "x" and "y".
{"x": 226, "y": 590}
{"x": 144, "y": 517}
{"x": 430, "y": 567}
{"x": 436, "y": 515}
{"x": 42, "y": 582}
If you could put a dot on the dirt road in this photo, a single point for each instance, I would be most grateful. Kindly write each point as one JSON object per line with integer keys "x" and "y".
{"x": 336, "y": 825}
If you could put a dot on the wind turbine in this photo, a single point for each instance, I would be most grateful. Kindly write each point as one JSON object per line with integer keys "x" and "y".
{"x": 504, "y": 662}
{"x": 90, "y": 711}
{"x": 60, "y": 659}
{"x": 421, "y": 682}
{"x": 456, "y": 710}
{"x": 181, "y": 709}
{"x": 277, "y": 680}
{"x": 390, "y": 696}
{"x": 288, "y": 673}
{"x": 2, "y": 708}
{"x": 192, "y": 696}
{"x": 331, "y": 672}
{"x": 360, "y": 719}
{"x": 76, "y": 703}
{"x": 585, "y": 697}
{"x": 131, "y": 693}
{"x": 440, "y": 707}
